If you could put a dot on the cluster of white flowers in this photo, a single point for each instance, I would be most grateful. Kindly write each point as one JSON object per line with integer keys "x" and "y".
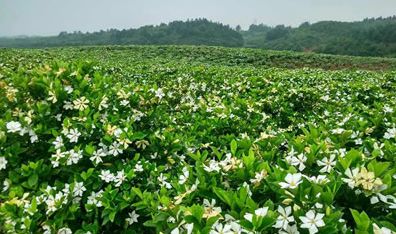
{"x": 118, "y": 178}
{"x": 227, "y": 164}
{"x": 16, "y": 127}
{"x": 3, "y": 163}
{"x": 298, "y": 160}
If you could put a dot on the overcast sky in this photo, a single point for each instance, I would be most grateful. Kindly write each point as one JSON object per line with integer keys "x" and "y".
{"x": 49, "y": 17}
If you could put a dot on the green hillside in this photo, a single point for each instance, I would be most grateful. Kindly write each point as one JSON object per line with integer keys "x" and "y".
{"x": 370, "y": 37}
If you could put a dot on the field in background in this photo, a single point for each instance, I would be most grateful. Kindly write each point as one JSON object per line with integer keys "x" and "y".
{"x": 124, "y": 56}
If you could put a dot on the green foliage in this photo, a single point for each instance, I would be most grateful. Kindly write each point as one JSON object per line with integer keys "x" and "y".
{"x": 151, "y": 139}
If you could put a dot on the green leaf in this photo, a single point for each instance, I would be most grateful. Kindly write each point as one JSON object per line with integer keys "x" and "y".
{"x": 249, "y": 160}
{"x": 33, "y": 179}
{"x": 234, "y": 146}
{"x": 138, "y": 192}
{"x": 89, "y": 149}
{"x": 112, "y": 216}
{"x": 197, "y": 211}
{"x": 378, "y": 167}
{"x": 225, "y": 196}
{"x": 87, "y": 174}
{"x": 362, "y": 220}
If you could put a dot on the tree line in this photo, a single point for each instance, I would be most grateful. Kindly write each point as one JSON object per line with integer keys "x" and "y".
{"x": 370, "y": 37}
{"x": 191, "y": 32}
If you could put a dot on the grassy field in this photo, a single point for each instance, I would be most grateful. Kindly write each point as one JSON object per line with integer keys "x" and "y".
{"x": 170, "y": 139}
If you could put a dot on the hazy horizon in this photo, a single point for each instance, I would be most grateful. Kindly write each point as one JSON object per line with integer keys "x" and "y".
{"x": 50, "y": 17}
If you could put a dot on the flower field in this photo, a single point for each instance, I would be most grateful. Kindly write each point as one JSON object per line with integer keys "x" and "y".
{"x": 151, "y": 144}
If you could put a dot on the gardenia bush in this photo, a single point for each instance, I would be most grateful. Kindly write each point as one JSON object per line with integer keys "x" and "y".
{"x": 195, "y": 149}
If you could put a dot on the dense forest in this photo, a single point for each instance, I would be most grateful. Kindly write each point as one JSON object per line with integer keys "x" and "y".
{"x": 191, "y": 32}
{"x": 370, "y": 37}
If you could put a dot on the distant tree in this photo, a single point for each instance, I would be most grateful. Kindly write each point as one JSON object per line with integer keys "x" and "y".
{"x": 63, "y": 33}
{"x": 191, "y": 32}
{"x": 304, "y": 25}
{"x": 278, "y": 32}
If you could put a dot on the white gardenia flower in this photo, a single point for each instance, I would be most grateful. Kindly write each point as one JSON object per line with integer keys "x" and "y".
{"x": 68, "y": 89}
{"x": 183, "y": 177}
{"x": 6, "y": 185}
{"x": 81, "y": 103}
{"x": 133, "y": 218}
{"x": 213, "y": 166}
{"x": 298, "y": 160}
{"x": 342, "y": 152}
{"x": 337, "y": 131}
{"x": 58, "y": 142}
{"x": 189, "y": 227}
{"x": 52, "y": 97}
{"x": 159, "y": 94}
{"x": 248, "y": 217}
{"x": 186, "y": 228}
{"x": 13, "y": 127}
{"x": 163, "y": 182}
{"x": 64, "y": 231}
{"x": 383, "y": 230}
{"x": 67, "y": 105}
{"x": 56, "y": 157}
{"x": 97, "y": 156}
{"x": 93, "y": 199}
{"x": 73, "y": 135}
{"x": 388, "y": 109}
{"x": 107, "y": 176}
{"x": 51, "y": 205}
{"x": 312, "y": 221}
{"x": 261, "y": 212}
{"x": 3, "y": 163}
{"x": 124, "y": 102}
{"x": 290, "y": 230}
{"x": 33, "y": 136}
{"x": 74, "y": 157}
{"x": 292, "y": 181}
{"x": 259, "y": 176}
{"x": 119, "y": 178}
{"x": 175, "y": 231}
{"x": 327, "y": 164}
{"x": 352, "y": 177}
{"x": 390, "y": 133}
{"x": 118, "y": 132}
{"x": 359, "y": 141}
{"x": 46, "y": 229}
{"x": 210, "y": 204}
{"x": 218, "y": 228}
{"x": 23, "y": 131}
{"x": 285, "y": 217}
{"x": 325, "y": 98}
{"x": 79, "y": 189}
{"x": 320, "y": 179}
{"x": 103, "y": 104}
{"x": 115, "y": 149}
{"x": 138, "y": 168}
